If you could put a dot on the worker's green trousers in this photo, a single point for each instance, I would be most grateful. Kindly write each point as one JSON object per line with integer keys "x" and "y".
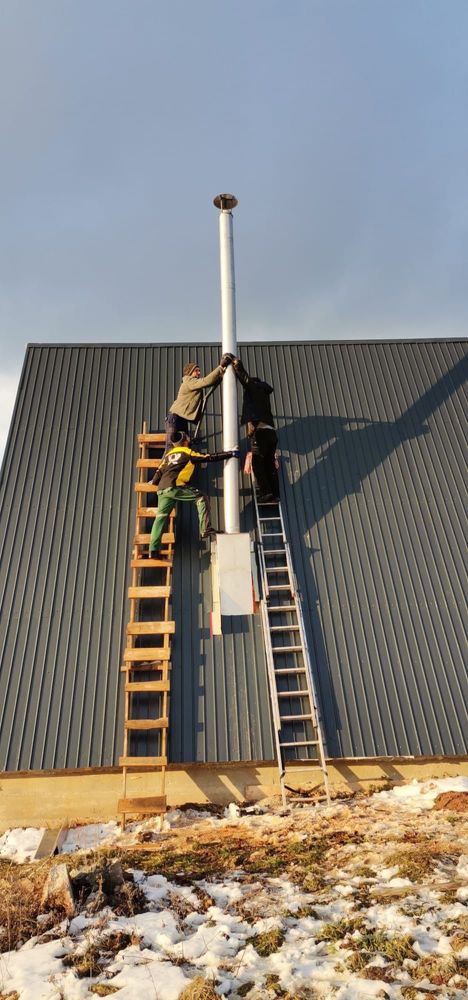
{"x": 167, "y": 500}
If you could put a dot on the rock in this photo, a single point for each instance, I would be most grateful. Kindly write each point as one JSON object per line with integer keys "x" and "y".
{"x": 453, "y": 801}
{"x": 58, "y": 892}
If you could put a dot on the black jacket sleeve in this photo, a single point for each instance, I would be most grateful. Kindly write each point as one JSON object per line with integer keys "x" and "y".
{"x": 217, "y": 456}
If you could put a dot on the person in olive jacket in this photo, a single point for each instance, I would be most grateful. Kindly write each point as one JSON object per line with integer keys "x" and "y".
{"x": 258, "y": 419}
{"x": 172, "y": 477}
{"x": 188, "y": 405}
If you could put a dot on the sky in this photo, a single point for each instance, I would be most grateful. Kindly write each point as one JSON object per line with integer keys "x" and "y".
{"x": 340, "y": 125}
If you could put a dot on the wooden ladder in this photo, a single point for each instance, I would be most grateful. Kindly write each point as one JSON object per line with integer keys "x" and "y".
{"x": 147, "y": 656}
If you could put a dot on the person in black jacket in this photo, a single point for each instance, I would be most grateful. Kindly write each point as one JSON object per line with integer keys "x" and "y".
{"x": 172, "y": 477}
{"x": 258, "y": 418}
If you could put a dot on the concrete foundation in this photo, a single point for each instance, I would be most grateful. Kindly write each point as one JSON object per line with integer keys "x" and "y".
{"x": 56, "y": 798}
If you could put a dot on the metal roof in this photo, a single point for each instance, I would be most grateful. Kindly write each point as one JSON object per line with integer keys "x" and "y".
{"x": 373, "y": 468}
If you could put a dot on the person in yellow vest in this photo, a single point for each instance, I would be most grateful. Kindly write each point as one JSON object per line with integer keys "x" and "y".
{"x": 172, "y": 477}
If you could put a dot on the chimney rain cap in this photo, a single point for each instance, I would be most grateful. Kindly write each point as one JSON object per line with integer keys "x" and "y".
{"x": 225, "y": 202}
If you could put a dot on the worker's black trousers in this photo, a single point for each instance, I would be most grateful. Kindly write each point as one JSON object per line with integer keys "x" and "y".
{"x": 264, "y": 441}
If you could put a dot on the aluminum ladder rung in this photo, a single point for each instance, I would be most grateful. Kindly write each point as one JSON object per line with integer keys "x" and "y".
{"x": 293, "y": 694}
{"x": 284, "y": 607}
{"x": 284, "y": 628}
{"x": 287, "y": 649}
{"x": 275, "y": 552}
{"x": 284, "y": 671}
{"x": 263, "y": 519}
{"x": 296, "y": 718}
{"x": 272, "y": 534}
{"x": 302, "y": 743}
{"x": 277, "y": 569}
{"x": 281, "y": 586}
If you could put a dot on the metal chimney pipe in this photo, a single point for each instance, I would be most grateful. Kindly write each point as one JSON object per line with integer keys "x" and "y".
{"x": 225, "y": 203}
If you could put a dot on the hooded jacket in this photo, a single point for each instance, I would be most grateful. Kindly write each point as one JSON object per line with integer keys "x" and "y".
{"x": 190, "y": 396}
{"x": 256, "y": 405}
{"x": 178, "y": 466}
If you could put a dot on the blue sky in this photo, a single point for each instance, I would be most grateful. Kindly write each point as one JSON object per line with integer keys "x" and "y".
{"x": 341, "y": 126}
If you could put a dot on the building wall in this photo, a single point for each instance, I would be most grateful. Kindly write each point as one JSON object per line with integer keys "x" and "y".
{"x": 373, "y": 469}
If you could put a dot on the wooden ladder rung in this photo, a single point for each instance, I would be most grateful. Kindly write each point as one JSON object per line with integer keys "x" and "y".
{"x": 151, "y": 512}
{"x": 142, "y": 761}
{"x": 155, "y": 804}
{"x": 147, "y": 592}
{"x": 150, "y": 438}
{"x": 148, "y": 463}
{"x": 151, "y": 628}
{"x": 167, "y": 539}
{"x": 153, "y": 666}
{"x": 146, "y": 488}
{"x": 147, "y": 686}
{"x": 141, "y": 724}
{"x": 147, "y": 563}
{"x": 148, "y": 654}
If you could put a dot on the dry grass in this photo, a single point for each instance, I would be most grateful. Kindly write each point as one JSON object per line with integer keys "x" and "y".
{"x": 103, "y": 989}
{"x": 199, "y": 989}
{"x": 20, "y": 902}
{"x": 267, "y": 943}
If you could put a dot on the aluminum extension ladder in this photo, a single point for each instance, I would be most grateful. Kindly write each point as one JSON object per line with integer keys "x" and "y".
{"x": 296, "y": 715}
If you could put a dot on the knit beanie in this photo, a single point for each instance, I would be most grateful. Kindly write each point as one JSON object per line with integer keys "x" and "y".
{"x": 189, "y": 367}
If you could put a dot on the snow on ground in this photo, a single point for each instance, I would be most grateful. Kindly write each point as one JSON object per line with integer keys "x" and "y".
{"x": 365, "y": 931}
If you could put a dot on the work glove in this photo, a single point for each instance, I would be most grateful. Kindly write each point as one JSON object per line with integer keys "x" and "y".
{"x": 226, "y": 360}
{"x": 237, "y": 365}
{"x": 235, "y": 452}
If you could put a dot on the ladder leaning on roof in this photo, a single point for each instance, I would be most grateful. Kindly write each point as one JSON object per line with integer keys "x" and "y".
{"x": 296, "y": 716}
{"x": 148, "y": 648}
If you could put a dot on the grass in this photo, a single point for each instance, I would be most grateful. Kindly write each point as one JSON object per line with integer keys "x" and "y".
{"x": 267, "y": 943}
{"x": 89, "y": 963}
{"x": 103, "y": 989}
{"x": 339, "y": 930}
{"x": 199, "y": 989}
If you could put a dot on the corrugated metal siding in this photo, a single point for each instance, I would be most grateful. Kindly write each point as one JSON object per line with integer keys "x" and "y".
{"x": 373, "y": 443}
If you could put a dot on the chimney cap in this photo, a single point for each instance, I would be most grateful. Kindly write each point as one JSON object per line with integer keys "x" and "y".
{"x": 225, "y": 202}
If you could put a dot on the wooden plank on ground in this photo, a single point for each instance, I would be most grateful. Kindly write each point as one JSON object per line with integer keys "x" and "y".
{"x": 51, "y": 842}
{"x": 395, "y": 891}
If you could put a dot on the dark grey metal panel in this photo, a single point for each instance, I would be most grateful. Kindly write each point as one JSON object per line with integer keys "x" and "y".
{"x": 373, "y": 444}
